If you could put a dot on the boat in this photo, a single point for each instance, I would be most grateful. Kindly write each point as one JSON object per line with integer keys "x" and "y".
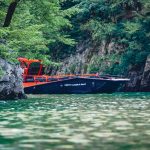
{"x": 36, "y": 82}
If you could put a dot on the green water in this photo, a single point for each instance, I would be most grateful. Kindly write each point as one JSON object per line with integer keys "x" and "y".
{"x": 76, "y": 122}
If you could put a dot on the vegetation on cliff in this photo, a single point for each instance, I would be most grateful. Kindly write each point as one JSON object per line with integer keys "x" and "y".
{"x": 121, "y": 23}
{"x": 51, "y": 30}
{"x": 29, "y": 28}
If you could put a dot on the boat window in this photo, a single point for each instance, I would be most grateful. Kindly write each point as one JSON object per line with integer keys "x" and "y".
{"x": 40, "y": 79}
{"x": 34, "y": 68}
{"x": 29, "y": 79}
{"x": 42, "y": 70}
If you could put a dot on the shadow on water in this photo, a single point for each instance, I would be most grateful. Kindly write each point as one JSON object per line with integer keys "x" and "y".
{"x": 59, "y": 122}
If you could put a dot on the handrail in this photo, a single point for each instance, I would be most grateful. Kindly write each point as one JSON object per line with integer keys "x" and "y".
{"x": 57, "y": 77}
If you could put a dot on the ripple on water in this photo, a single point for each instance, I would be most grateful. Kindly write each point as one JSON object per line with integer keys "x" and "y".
{"x": 58, "y": 122}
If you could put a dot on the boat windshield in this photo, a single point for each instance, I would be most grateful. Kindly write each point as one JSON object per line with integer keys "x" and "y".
{"x": 34, "y": 68}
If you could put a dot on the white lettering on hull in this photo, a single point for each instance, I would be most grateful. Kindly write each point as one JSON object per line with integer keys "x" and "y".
{"x": 74, "y": 85}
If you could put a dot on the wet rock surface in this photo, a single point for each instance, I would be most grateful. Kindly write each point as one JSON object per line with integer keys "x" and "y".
{"x": 10, "y": 81}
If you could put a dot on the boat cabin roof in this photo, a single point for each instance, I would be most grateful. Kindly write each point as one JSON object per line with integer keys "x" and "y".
{"x": 28, "y": 61}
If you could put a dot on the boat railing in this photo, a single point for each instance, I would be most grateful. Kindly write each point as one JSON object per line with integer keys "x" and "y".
{"x": 45, "y": 78}
{"x": 111, "y": 76}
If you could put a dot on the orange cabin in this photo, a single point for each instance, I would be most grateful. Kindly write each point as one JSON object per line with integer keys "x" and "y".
{"x": 34, "y": 72}
{"x": 31, "y": 66}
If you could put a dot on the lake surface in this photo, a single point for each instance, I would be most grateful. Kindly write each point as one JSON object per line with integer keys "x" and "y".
{"x": 119, "y": 121}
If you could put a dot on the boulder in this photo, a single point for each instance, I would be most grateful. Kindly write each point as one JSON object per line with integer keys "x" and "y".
{"x": 145, "y": 83}
{"x": 11, "y": 81}
{"x": 135, "y": 81}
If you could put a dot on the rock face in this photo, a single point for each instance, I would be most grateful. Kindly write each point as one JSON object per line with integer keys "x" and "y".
{"x": 135, "y": 81}
{"x": 10, "y": 81}
{"x": 85, "y": 54}
{"x": 145, "y": 83}
{"x": 77, "y": 64}
{"x": 140, "y": 79}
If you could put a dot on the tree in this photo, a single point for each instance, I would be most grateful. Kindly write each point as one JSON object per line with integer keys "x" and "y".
{"x": 123, "y": 22}
{"x": 30, "y": 27}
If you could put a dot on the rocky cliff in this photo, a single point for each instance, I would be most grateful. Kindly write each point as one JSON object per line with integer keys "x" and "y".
{"x": 10, "y": 81}
{"x": 139, "y": 78}
{"x": 145, "y": 82}
{"x": 90, "y": 58}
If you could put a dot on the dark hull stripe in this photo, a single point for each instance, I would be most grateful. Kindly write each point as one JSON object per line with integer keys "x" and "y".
{"x": 76, "y": 86}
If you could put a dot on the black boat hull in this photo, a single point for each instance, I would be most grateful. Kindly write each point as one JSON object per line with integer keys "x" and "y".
{"x": 76, "y": 86}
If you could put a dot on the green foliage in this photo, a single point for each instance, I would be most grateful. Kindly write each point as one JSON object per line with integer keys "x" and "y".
{"x": 126, "y": 22}
{"x": 35, "y": 26}
{"x": 131, "y": 27}
{"x": 51, "y": 30}
{"x": 99, "y": 30}
{"x": 103, "y": 64}
{"x": 95, "y": 64}
{"x": 130, "y": 59}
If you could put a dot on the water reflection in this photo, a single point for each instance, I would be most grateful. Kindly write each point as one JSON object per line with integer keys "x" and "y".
{"x": 59, "y": 122}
